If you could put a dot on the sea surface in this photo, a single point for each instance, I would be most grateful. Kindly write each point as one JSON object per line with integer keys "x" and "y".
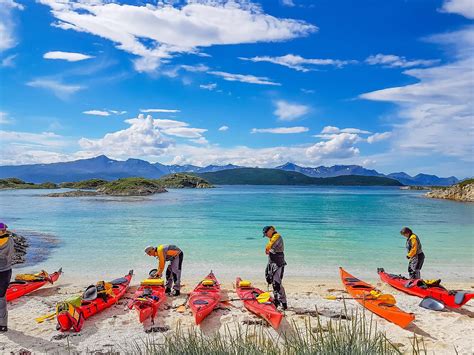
{"x": 221, "y": 230}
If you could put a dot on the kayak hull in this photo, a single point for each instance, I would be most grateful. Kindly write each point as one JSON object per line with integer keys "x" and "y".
{"x": 411, "y": 287}
{"x": 204, "y": 299}
{"x": 147, "y": 306}
{"x": 267, "y": 311}
{"x": 17, "y": 289}
{"x": 90, "y": 308}
{"x": 360, "y": 291}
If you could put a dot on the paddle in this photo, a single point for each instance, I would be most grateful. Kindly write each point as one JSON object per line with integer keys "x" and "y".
{"x": 264, "y": 297}
{"x": 182, "y": 308}
{"x": 389, "y": 299}
{"x": 45, "y": 317}
{"x": 432, "y": 304}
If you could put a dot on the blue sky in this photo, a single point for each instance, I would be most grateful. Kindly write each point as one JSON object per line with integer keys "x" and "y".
{"x": 384, "y": 84}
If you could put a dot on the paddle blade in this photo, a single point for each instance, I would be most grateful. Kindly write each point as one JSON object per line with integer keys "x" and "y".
{"x": 181, "y": 309}
{"x": 331, "y": 298}
{"x": 45, "y": 317}
{"x": 432, "y": 304}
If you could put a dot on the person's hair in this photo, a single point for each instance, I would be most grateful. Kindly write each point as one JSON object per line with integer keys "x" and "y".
{"x": 406, "y": 230}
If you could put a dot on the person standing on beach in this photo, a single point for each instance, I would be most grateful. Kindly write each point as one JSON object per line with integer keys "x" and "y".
{"x": 175, "y": 256}
{"x": 415, "y": 253}
{"x": 276, "y": 265}
{"x": 7, "y": 251}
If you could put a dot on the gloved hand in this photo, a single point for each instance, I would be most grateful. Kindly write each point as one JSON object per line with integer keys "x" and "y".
{"x": 408, "y": 257}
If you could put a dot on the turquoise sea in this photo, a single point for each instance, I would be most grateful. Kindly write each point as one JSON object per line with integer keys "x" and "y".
{"x": 220, "y": 229}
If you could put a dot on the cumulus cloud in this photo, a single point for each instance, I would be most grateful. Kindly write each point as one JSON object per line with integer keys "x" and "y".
{"x": 251, "y": 79}
{"x": 158, "y": 110}
{"x": 461, "y": 7}
{"x": 435, "y": 114}
{"x": 156, "y": 33}
{"x": 281, "y": 130}
{"x": 287, "y": 111}
{"x": 61, "y": 90}
{"x": 223, "y": 128}
{"x": 395, "y": 61}
{"x": 210, "y": 86}
{"x": 339, "y": 146}
{"x": 289, "y": 3}
{"x": 7, "y": 24}
{"x": 68, "y": 56}
{"x": 299, "y": 63}
{"x": 377, "y": 137}
{"x": 97, "y": 113}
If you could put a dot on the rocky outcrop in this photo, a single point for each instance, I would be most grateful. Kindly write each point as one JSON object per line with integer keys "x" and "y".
{"x": 464, "y": 192}
{"x": 21, "y": 245}
{"x": 182, "y": 181}
{"x": 131, "y": 187}
{"x": 75, "y": 193}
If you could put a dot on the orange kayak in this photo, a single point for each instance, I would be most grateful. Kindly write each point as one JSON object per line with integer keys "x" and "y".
{"x": 205, "y": 298}
{"x": 267, "y": 310}
{"x": 147, "y": 300}
{"x": 360, "y": 291}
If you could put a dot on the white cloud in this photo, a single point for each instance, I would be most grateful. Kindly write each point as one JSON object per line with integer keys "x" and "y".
{"x": 184, "y": 132}
{"x": 210, "y": 86}
{"x": 9, "y": 61}
{"x": 32, "y": 140}
{"x": 339, "y": 146}
{"x": 157, "y": 110}
{"x": 280, "y": 130}
{"x": 377, "y": 137}
{"x": 142, "y": 138}
{"x": 69, "y": 56}
{"x": 337, "y": 130}
{"x": 155, "y": 33}
{"x": 116, "y": 112}
{"x": 289, "y": 3}
{"x": 308, "y": 91}
{"x": 97, "y": 113}
{"x": 199, "y": 68}
{"x": 63, "y": 91}
{"x": 395, "y": 61}
{"x": 435, "y": 114}
{"x": 286, "y": 111}
{"x": 7, "y": 24}
{"x": 299, "y": 63}
{"x": 223, "y": 128}
{"x": 5, "y": 119}
{"x": 251, "y": 79}
{"x": 460, "y": 7}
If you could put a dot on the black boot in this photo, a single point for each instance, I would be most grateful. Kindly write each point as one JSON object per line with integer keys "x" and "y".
{"x": 276, "y": 302}
{"x": 3, "y": 328}
{"x": 284, "y": 306}
{"x": 168, "y": 291}
{"x": 175, "y": 293}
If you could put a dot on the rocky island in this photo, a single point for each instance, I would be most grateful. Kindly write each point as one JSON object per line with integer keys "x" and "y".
{"x": 463, "y": 192}
{"x": 131, "y": 186}
{"x": 14, "y": 183}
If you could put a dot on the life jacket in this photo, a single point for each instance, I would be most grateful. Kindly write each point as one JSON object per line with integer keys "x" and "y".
{"x": 69, "y": 315}
{"x": 409, "y": 244}
{"x": 104, "y": 290}
{"x": 40, "y": 276}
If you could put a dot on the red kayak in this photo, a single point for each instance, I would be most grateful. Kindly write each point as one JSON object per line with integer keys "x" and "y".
{"x": 417, "y": 287}
{"x": 20, "y": 288}
{"x": 147, "y": 300}
{"x": 205, "y": 298}
{"x": 71, "y": 316}
{"x": 248, "y": 294}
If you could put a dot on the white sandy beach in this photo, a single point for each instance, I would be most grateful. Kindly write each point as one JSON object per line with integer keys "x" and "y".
{"x": 443, "y": 332}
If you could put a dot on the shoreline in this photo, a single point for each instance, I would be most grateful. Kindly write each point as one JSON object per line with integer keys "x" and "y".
{"x": 111, "y": 329}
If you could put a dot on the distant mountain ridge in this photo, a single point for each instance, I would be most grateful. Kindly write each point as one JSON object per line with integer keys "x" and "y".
{"x": 102, "y": 167}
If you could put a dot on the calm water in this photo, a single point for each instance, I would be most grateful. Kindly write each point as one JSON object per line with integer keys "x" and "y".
{"x": 220, "y": 229}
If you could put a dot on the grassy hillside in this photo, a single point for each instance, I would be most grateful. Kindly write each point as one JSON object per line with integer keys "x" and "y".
{"x": 257, "y": 176}
{"x": 14, "y": 183}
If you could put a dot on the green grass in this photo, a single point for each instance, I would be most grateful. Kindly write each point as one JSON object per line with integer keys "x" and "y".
{"x": 466, "y": 182}
{"x": 14, "y": 183}
{"x": 357, "y": 336}
{"x": 179, "y": 181}
{"x": 90, "y": 184}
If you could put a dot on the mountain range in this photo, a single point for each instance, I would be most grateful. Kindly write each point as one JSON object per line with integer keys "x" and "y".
{"x": 103, "y": 167}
